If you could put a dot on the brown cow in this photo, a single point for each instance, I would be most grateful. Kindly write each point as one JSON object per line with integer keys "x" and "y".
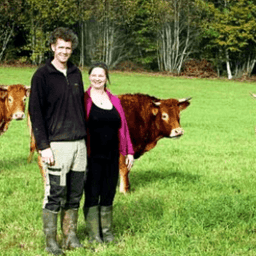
{"x": 12, "y": 104}
{"x": 149, "y": 119}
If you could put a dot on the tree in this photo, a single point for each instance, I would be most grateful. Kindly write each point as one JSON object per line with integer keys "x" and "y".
{"x": 230, "y": 28}
{"x": 143, "y": 33}
{"x": 104, "y": 33}
{"x": 177, "y": 34}
{"x": 10, "y": 11}
{"x": 40, "y": 17}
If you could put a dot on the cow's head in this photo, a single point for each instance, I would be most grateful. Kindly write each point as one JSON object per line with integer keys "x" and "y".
{"x": 167, "y": 114}
{"x": 14, "y": 97}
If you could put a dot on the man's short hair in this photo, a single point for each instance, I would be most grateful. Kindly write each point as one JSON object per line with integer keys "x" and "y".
{"x": 64, "y": 33}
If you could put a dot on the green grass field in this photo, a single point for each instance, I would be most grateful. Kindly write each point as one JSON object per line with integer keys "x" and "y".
{"x": 191, "y": 196}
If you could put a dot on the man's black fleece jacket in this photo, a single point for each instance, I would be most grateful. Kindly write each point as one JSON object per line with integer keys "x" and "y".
{"x": 56, "y": 105}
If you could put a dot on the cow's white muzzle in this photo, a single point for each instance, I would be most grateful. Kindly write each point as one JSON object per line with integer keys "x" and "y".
{"x": 18, "y": 116}
{"x": 176, "y": 132}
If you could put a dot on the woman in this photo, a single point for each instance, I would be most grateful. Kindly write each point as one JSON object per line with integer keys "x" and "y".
{"x": 108, "y": 136}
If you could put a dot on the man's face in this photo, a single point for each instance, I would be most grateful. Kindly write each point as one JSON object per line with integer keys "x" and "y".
{"x": 62, "y": 50}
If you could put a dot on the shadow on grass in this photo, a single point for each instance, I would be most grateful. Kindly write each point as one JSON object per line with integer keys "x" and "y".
{"x": 132, "y": 217}
{"x": 144, "y": 178}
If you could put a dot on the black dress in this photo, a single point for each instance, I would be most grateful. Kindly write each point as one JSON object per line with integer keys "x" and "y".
{"x": 103, "y": 128}
{"x": 103, "y": 163}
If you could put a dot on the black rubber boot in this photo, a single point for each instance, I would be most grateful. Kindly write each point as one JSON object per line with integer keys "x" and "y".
{"x": 50, "y": 231}
{"x": 69, "y": 229}
{"x": 106, "y": 223}
{"x": 92, "y": 218}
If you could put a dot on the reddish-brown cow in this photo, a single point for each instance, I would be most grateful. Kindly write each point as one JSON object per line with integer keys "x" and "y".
{"x": 149, "y": 119}
{"x": 12, "y": 104}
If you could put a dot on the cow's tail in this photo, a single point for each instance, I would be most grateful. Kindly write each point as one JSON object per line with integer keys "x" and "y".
{"x": 32, "y": 140}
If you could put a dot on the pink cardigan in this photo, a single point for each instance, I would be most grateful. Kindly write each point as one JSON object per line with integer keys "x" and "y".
{"x": 125, "y": 144}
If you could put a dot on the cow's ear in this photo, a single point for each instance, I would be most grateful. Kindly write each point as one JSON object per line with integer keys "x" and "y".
{"x": 184, "y": 103}
{"x": 155, "y": 109}
{"x": 3, "y": 88}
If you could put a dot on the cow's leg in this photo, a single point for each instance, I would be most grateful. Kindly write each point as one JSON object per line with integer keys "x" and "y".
{"x": 124, "y": 178}
{"x": 41, "y": 167}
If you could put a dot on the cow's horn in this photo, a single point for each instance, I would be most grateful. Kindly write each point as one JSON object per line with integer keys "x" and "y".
{"x": 185, "y": 99}
{"x": 157, "y": 103}
{"x": 4, "y": 87}
{"x": 253, "y": 95}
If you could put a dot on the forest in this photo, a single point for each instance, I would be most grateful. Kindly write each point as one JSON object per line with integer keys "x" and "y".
{"x": 154, "y": 35}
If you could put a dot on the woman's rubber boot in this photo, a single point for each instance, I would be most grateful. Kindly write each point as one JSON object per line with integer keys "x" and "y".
{"x": 69, "y": 219}
{"x": 50, "y": 231}
{"x": 106, "y": 223}
{"x": 92, "y": 218}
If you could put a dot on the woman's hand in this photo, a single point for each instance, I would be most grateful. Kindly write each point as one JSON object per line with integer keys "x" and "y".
{"x": 129, "y": 161}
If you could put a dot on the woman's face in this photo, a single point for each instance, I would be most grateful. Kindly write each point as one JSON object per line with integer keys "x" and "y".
{"x": 98, "y": 78}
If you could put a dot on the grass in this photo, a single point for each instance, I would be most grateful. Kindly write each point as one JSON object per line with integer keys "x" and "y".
{"x": 192, "y": 196}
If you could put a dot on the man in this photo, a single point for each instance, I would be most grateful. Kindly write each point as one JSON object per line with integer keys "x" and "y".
{"x": 57, "y": 114}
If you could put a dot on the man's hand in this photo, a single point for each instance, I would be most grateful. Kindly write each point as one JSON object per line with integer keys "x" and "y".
{"x": 47, "y": 156}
